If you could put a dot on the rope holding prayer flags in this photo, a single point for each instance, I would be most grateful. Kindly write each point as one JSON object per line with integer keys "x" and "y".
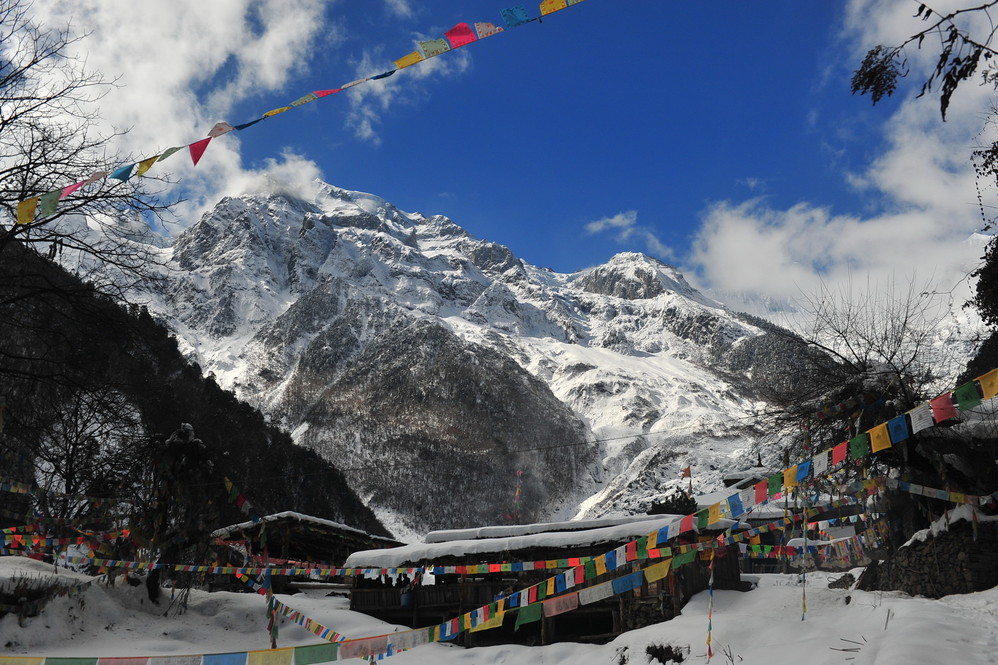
{"x": 710, "y": 606}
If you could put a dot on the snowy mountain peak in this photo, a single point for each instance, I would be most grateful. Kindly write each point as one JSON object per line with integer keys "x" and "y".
{"x": 635, "y": 276}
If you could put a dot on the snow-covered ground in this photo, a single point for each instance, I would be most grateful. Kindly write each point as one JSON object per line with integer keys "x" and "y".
{"x": 762, "y": 626}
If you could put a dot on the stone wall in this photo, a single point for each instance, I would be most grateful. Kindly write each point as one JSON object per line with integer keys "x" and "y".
{"x": 952, "y": 562}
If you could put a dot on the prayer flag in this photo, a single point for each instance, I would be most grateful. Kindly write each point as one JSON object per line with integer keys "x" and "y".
{"x": 775, "y": 484}
{"x": 687, "y": 472}
{"x": 551, "y": 6}
{"x": 686, "y": 524}
{"x": 714, "y": 514}
{"x": 839, "y": 453}
{"x": 247, "y": 125}
{"x": 859, "y": 446}
{"x": 383, "y": 75}
{"x": 486, "y": 30}
{"x": 761, "y": 491}
{"x": 942, "y": 408}
{"x": 168, "y": 152}
{"x": 460, "y": 35}
{"x": 122, "y": 173}
{"x": 967, "y": 396}
{"x": 515, "y": 16}
{"x": 219, "y": 129}
{"x": 26, "y": 210}
{"x": 146, "y": 164}
{"x": 600, "y": 563}
{"x": 197, "y": 149}
{"x": 276, "y": 111}
{"x": 596, "y": 593}
{"x": 880, "y": 439}
{"x": 305, "y": 99}
{"x": 561, "y": 604}
{"x": 921, "y": 418}
{"x": 434, "y": 47}
{"x": 897, "y": 428}
{"x": 69, "y": 190}
{"x": 628, "y": 582}
{"x": 803, "y": 471}
{"x": 409, "y": 60}
{"x": 48, "y": 202}
{"x": 989, "y": 383}
{"x": 735, "y": 507}
{"x": 658, "y": 571}
{"x": 352, "y": 84}
{"x": 528, "y": 614}
{"x": 790, "y": 477}
{"x": 703, "y": 519}
{"x": 820, "y": 464}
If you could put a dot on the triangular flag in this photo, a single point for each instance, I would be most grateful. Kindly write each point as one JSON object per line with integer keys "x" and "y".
{"x": 551, "y": 6}
{"x": 247, "y": 125}
{"x": 197, "y": 149}
{"x": 219, "y": 129}
{"x": 460, "y": 35}
{"x": 26, "y": 210}
{"x": 921, "y": 418}
{"x": 384, "y": 75}
{"x": 48, "y": 202}
{"x": 66, "y": 191}
{"x": 989, "y": 383}
{"x": 485, "y": 29}
{"x": 880, "y": 439}
{"x": 273, "y": 112}
{"x": 169, "y": 151}
{"x": 967, "y": 396}
{"x": 943, "y": 408}
{"x": 305, "y": 99}
{"x": 146, "y": 164}
{"x": 94, "y": 177}
{"x": 122, "y": 173}
{"x": 409, "y": 60}
{"x": 353, "y": 83}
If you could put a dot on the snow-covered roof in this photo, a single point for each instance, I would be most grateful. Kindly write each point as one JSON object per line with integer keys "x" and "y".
{"x": 227, "y": 531}
{"x": 445, "y": 536}
{"x": 423, "y": 552}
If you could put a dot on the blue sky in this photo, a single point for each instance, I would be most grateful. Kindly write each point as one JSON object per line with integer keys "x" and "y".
{"x": 722, "y": 138}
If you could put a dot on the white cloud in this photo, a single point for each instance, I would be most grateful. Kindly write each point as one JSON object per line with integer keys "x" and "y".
{"x": 400, "y": 8}
{"x": 184, "y": 65}
{"x": 920, "y": 190}
{"x": 370, "y": 101}
{"x": 626, "y": 230}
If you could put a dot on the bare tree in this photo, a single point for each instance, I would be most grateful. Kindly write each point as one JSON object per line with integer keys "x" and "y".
{"x": 49, "y": 142}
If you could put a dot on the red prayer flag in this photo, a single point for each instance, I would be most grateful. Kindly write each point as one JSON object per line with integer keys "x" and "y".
{"x": 761, "y": 491}
{"x": 943, "y": 408}
{"x": 197, "y": 149}
{"x": 324, "y": 93}
{"x": 839, "y": 453}
{"x": 687, "y": 472}
{"x": 686, "y": 524}
{"x": 460, "y": 35}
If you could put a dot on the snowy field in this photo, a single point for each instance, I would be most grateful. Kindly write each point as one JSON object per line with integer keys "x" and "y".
{"x": 762, "y": 626}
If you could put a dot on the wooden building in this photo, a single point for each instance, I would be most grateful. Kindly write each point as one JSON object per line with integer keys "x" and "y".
{"x": 453, "y": 594}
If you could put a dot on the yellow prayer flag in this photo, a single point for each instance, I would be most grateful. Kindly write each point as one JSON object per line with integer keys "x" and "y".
{"x": 551, "y": 564}
{"x": 714, "y": 514}
{"x": 271, "y": 657}
{"x": 146, "y": 164}
{"x": 276, "y": 111}
{"x": 20, "y": 660}
{"x": 26, "y": 210}
{"x": 551, "y": 588}
{"x": 549, "y": 6}
{"x": 989, "y": 384}
{"x": 601, "y": 565}
{"x": 958, "y": 497}
{"x": 880, "y": 439}
{"x": 652, "y": 540}
{"x": 494, "y": 621}
{"x": 790, "y": 477}
{"x": 658, "y": 571}
{"x": 409, "y": 60}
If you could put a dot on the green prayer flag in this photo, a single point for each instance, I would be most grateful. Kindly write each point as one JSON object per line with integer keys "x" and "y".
{"x": 529, "y": 614}
{"x": 318, "y": 653}
{"x": 703, "y": 518}
{"x": 590, "y": 570}
{"x": 859, "y": 446}
{"x": 775, "y": 483}
{"x": 683, "y": 559}
{"x": 967, "y": 396}
{"x": 48, "y": 201}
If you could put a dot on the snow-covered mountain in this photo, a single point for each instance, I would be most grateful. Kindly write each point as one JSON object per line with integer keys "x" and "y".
{"x": 454, "y": 383}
